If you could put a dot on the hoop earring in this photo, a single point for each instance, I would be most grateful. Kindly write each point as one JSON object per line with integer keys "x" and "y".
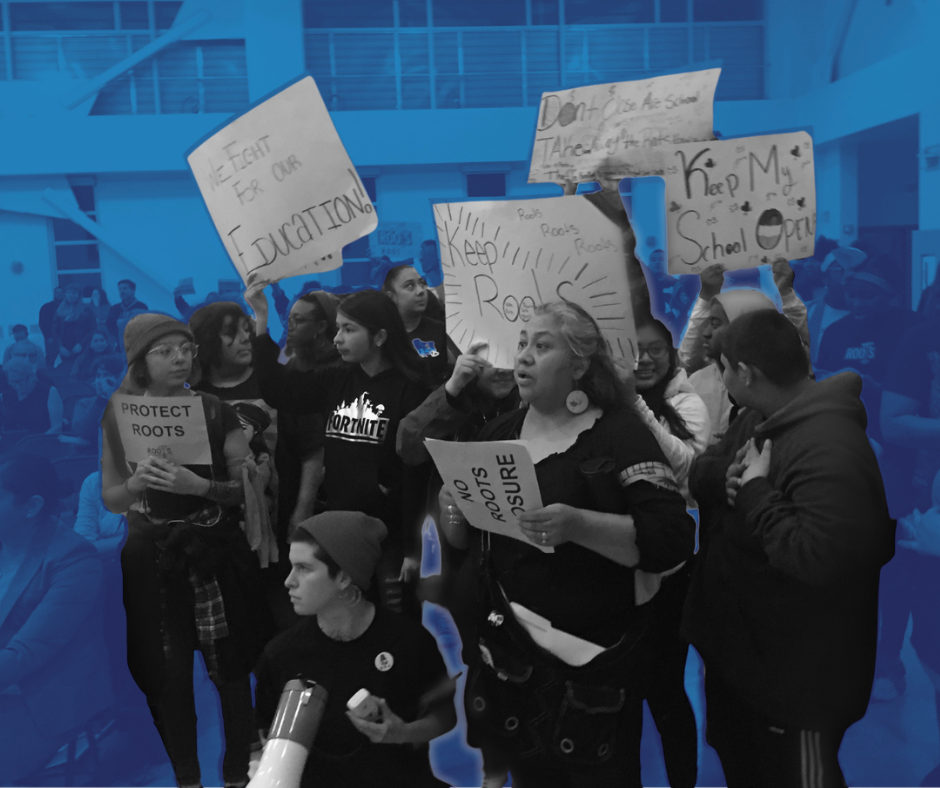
{"x": 351, "y": 595}
{"x": 577, "y": 401}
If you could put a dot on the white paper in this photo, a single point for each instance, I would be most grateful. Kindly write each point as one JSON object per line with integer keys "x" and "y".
{"x": 396, "y": 240}
{"x": 741, "y": 203}
{"x": 492, "y": 482}
{"x": 501, "y": 259}
{"x": 280, "y": 187}
{"x": 607, "y": 132}
{"x": 172, "y": 428}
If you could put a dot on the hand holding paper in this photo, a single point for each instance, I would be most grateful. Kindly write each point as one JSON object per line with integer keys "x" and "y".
{"x": 552, "y": 525}
{"x": 493, "y": 483}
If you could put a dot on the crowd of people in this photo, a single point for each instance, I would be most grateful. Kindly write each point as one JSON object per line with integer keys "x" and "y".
{"x": 734, "y": 492}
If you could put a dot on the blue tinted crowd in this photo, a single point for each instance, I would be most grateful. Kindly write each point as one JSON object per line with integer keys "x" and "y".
{"x": 735, "y": 492}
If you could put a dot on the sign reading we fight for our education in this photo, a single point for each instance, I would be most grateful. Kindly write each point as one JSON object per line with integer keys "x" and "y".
{"x": 608, "y": 132}
{"x": 172, "y": 428}
{"x": 492, "y": 483}
{"x": 502, "y": 259}
{"x": 280, "y": 187}
{"x": 741, "y": 202}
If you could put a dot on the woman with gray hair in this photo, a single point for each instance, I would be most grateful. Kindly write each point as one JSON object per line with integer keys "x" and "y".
{"x": 562, "y": 624}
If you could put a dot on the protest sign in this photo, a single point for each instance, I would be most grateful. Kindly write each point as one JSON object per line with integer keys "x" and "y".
{"x": 741, "y": 202}
{"x": 608, "y": 132}
{"x": 501, "y": 259}
{"x": 396, "y": 240}
{"x": 185, "y": 286}
{"x": 280, "y": 187}
{"x": 492, "y": 483}
{"x": 172, "y": 428}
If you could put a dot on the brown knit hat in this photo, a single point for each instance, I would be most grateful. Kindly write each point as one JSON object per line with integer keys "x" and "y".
{"x": 352, "y": 539}
{"x": 142, "y": 331}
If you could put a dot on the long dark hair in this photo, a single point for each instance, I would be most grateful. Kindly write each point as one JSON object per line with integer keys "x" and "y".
{"x": 600, "y": 382}
{"x": 655, "y": 396}
{"x": 374, "y": 311}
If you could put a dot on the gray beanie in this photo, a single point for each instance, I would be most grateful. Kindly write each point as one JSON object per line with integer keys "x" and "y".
{"x": 142, "y": 331}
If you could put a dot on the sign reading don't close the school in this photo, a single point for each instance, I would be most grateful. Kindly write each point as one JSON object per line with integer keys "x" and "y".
{"x": 172, "y": 428}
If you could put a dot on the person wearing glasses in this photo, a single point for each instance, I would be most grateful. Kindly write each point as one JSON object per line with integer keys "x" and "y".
{"x": 678, "y": 419}
{"x": 190, "y": 578}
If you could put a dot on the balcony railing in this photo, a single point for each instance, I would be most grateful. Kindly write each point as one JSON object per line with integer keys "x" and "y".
{"x": 449, "y": 68}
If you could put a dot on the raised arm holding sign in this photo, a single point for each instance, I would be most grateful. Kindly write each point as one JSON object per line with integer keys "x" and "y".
{"x": 280, "y": 187}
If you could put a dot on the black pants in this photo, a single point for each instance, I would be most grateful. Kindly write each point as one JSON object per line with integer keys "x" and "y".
{"x": 174, "y": 714}
{"x": 669, "y": 705}
{"x": 757, "y": 753}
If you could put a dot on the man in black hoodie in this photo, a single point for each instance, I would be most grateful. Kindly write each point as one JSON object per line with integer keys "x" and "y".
{"x": 783, "y": 605}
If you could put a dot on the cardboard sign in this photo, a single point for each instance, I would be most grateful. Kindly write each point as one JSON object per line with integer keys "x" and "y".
{"x": 172, "y": 428}
{"x": 186, "y": 287}
{"x": 492, "y": 482}
{"x": 741, "y": 203}
{"x": 396, "y": 240}
{"x": 502, "y": 259}
{"x": 608, "y": 132}
{"x": 280, "y": 187}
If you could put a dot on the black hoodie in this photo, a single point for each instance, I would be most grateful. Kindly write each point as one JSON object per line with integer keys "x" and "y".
{"x": 784, "y": 597}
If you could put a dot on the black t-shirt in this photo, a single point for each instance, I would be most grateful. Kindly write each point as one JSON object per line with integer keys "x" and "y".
{"x": 248, "y": 391}
{"x": 863, "y": 344}
{"x": 361, "y": 414}
{"x": 431, "y": 343}
{"x": 395, "y": 659}
{"x": 867, "y": 346}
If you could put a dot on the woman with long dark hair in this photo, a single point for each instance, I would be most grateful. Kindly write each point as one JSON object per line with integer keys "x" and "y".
{"x": 678, "y": 418}
{"x": 554, "y": 692}
{"x": 190, "y": 578}
{"x": 362, "y": 402}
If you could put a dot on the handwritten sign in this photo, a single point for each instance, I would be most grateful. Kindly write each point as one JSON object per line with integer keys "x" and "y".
{"x": 172, "y": 428}
{"x": 608, "y": 132}
{"x": 396, "y": 240}
{"x": 280, "y": 187}
{"x": 741, "y": 203}
{"x": 492, "y": 483}
{"x": 502, "y": 259}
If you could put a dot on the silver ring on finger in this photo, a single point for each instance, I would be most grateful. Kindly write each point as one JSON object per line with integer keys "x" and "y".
{"x": 544, "y": 538}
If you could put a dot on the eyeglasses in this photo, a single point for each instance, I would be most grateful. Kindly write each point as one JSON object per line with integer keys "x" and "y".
{"x": 186, "y": 350}
{"x": 656, "y": 352}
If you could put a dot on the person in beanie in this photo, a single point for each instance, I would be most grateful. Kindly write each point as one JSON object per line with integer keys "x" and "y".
{"x": 190, "y": 578}
{"x": 346, "y": 643}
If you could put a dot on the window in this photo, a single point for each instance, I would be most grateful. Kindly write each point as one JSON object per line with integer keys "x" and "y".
{"x": 76, "y": 251}
{"x": 361, "y": 13}
{"x": 726, "y": 11}
{"x": 486, "y": 184}
{"x": 459, "y": 13}
{"x": 590, "y": 12}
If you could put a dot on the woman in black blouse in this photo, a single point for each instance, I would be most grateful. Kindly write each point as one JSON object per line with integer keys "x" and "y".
{"x": 569, "y": 715}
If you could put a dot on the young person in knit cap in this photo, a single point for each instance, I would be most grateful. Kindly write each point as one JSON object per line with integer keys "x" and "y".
{"x": 345, "y": 643}
{"x": 190, "y": 578}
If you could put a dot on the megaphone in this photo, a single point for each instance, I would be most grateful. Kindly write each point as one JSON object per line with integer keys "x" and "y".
{"x": 292, "y": 733}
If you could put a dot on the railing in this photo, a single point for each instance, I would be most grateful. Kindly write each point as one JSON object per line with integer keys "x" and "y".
{"x": 443, "y": 68}
{"x": 186, "y": 77}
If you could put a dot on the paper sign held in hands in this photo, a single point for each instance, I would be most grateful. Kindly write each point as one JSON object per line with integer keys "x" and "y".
{"x": 280, "y": 187}
{"x": 741, "y": 203}
{"x": 502, "y": 259}
{"x": 171, "y": 428}
{"x": 492, "y": 482}
{"x": 608, "y": 132}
